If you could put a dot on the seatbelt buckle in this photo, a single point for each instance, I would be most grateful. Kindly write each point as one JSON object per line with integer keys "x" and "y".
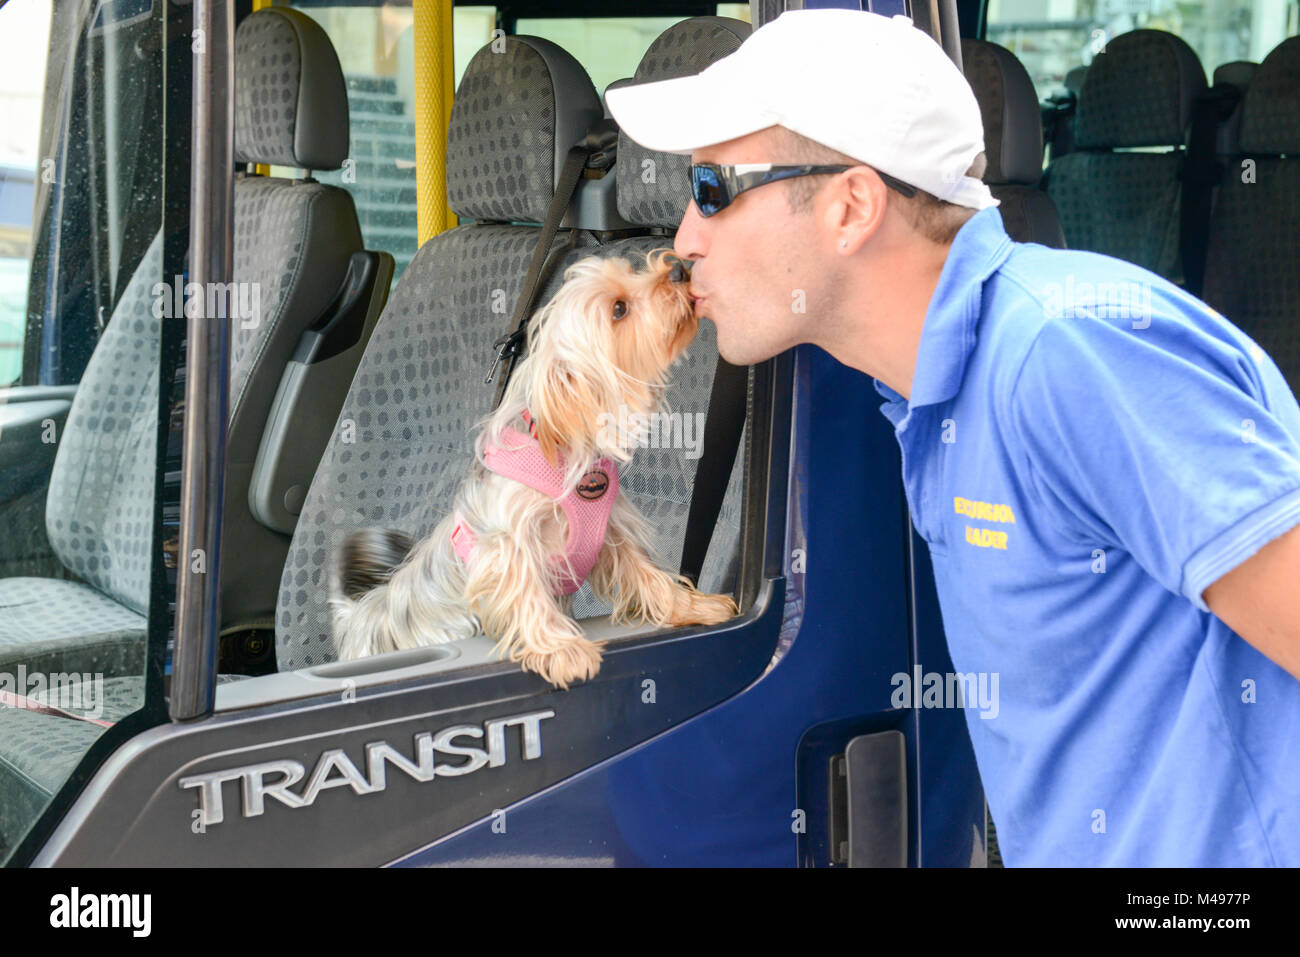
{"x": 601, "y": 142}
{"x": 507, "y": 347}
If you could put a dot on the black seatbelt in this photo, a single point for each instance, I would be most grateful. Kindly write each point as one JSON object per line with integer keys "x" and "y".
{"x": 728, "y": 401}
{"x": 1201, "y": 172}
{"x": 1058, "y": 124}
{"x": 596, "y": 151}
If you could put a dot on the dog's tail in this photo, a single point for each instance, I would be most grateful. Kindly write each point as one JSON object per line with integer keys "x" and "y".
{"x": 367, "y": 559}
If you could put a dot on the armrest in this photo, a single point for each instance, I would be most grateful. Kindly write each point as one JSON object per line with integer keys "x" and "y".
{"x": 36, "y": 393}
{"x": 312, "y": 390}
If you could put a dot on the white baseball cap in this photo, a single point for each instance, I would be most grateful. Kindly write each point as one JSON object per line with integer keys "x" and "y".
{"x": 873, "y": 87}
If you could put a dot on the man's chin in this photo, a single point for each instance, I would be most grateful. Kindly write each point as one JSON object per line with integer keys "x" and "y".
{"x": 736, "y": 357}
{"x": 742, "y": 353}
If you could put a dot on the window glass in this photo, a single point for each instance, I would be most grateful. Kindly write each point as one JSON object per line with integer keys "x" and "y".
{"x": 24, "y": 46}
{"x": 376, "y": 48}
{"x": 82, "y": 266}
{"x": 1052, "y": 37}
{"x": 471, "y": 28}
{"x": 610, "y": 47}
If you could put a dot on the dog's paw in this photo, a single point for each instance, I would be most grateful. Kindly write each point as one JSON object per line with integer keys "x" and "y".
{"x": 699, "y": 608}
{"x": 575, "y": 660}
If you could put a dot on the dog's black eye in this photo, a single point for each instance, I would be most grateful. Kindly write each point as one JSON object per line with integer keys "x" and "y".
{"x": 620, "y": 309}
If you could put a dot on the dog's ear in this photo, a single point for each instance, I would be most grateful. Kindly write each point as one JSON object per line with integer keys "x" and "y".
{"x": 559, "y": 412}
{"x": 548, "y": 440}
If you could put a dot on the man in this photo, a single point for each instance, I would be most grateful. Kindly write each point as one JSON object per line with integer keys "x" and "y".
{"x": 1109, "y": 487}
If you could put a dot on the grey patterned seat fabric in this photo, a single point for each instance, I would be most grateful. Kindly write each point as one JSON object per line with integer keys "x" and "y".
{"x": 293, "y": 241}
{"x": 1013, "y": 142}
{"x": 1137, "y": 93}
{"x": 99, "y": 511}
{"x": 68, "y": 624}
{"x": 1253, "y": 264}
{"x": 38, "y": 751}
{"x": 419, "y": 390}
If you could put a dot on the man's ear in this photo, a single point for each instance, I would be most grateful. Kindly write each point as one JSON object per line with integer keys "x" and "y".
{"x": 857, "y": 209}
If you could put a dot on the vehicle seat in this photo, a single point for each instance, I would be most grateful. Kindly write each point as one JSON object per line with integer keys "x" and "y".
{"x": 294, "y": 239}
{"x": 38, "y": 751}
{"x": 1013, "y": 142}
{"x": 1137, "y": 93}
{"x": 1252, "y": 270}
{"x": 1237, "y": 74}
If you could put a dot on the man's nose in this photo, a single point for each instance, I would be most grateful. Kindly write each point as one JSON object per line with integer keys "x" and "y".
{"x": 689, "y": 242}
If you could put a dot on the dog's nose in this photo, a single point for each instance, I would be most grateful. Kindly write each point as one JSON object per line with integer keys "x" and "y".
{"x": 681, "y": 270}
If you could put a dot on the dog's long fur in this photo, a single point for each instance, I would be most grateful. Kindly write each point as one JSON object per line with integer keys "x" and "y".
{"x": 581, "y": 362}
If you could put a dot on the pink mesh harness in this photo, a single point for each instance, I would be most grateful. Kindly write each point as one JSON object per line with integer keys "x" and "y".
{"x": 587, "y": 507}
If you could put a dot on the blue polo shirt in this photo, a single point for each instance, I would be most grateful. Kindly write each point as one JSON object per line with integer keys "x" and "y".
{"x": 1086, "y": 449}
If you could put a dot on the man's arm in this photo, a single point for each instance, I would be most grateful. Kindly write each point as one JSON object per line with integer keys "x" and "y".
{"x": 1142, "y": 435}
{"x": 1260, "y": 600}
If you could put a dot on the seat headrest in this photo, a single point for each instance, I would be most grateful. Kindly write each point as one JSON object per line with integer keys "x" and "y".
{"x": 1013, "y": 125}
{"x": 1270, "y": 112}
{"x": 654, "y": 187}
{"x": 291, "y": 103}
{"x": 522, "y": 103}
{"x": 1138, "y": 92}
{"x": 1238, "y": 73}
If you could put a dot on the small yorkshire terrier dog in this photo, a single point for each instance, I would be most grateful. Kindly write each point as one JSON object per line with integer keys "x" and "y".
{"x": 540, "y": 511}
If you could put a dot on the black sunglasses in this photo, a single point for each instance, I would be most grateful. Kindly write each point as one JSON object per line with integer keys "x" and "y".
{"x": 715, "y": 187}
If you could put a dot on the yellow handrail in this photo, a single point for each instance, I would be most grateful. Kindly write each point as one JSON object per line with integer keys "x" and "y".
{"x": 262, "y": 169}
{"x": 434, "y": 80}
